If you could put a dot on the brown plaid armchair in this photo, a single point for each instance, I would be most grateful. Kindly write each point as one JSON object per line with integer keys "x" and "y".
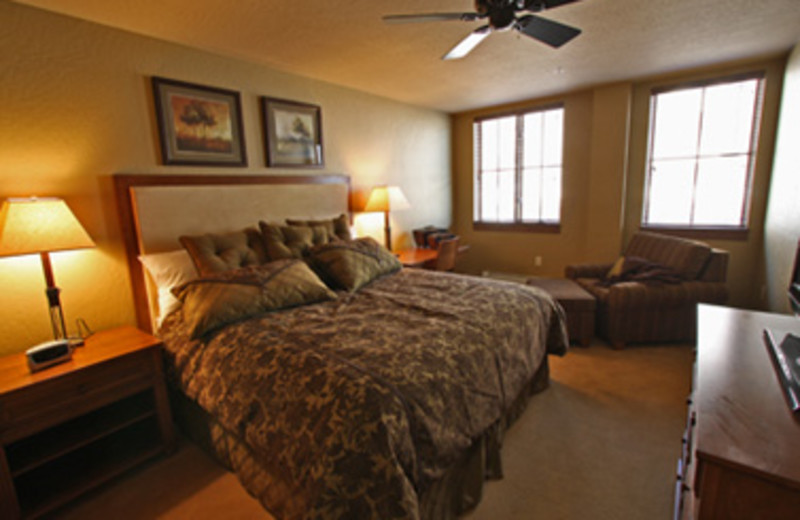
{"x": 639, "y": 312}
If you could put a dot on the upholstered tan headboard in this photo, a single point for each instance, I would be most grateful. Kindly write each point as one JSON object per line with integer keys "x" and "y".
{"x": 155, "y": 210}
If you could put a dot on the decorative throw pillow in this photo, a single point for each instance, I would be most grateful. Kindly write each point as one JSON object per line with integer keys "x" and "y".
{"x": 216, "y": 253}
{"x": 214, "y": 301}
{"x": 286, "y": 241}
{"x": 319, "y": 234}
{"x": 351, "y": 265}
{"x": 168, "y": 270}
{"x": 616, "y": 269}
{"x": 338, "y": 228}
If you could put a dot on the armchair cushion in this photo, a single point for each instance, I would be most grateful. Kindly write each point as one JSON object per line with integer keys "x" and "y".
{"x": 635, "y": 269}
{"x": 628, "y": 295}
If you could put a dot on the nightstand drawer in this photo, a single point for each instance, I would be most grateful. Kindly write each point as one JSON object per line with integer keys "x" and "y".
{"x": 51, "y": 402}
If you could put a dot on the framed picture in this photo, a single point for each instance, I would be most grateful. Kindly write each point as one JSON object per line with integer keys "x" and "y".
{"x": 293, "y": 133}
{"x": 198, "y": 124}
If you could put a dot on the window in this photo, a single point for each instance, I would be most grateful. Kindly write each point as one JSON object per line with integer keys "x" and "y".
{"x": 518, "y": 169}
{"x": 702, "y": 149}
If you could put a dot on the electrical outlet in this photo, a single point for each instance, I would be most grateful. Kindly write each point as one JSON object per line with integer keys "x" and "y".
{"x": 537, "y": 261}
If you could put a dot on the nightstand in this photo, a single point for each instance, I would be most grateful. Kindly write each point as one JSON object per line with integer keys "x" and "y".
{"x": 76, "y": 425}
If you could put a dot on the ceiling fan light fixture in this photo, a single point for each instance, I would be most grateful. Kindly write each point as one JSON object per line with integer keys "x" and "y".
{"x": 466, "y": 45}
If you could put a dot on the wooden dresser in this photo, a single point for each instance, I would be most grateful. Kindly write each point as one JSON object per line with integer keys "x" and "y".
{"x": 741, "y": 449}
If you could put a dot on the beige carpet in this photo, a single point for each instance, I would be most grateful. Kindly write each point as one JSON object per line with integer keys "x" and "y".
{"x": 600, "y": 443}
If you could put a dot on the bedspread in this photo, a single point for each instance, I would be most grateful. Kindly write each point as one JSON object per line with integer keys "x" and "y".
{"x": 353, "y": 407}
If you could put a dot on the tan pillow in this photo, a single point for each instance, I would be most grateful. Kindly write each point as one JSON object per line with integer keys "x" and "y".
{"x": 616, "y": 269}
{"x": 168, "y": 270}
{"x": 338, "y": 228}
{"x": 351, "y": 265}
{"x": 214, "y": 301}
{"x": 217, "y": 253}
{"x": 286, "y": 241}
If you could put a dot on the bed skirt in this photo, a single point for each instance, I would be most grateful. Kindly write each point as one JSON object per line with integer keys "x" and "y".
{"x": 457, "y": 492}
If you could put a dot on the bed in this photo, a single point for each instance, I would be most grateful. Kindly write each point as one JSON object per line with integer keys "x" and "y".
{"x": 387, "y": 400}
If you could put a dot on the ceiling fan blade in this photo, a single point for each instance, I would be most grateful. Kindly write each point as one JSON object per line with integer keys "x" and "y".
{"x": 536, "y": 6}
{"x": 549, "y": 4}
{"x": 466, "y": 45}
{"x": 547, "y": 31}
{"x": 430, "y": 17}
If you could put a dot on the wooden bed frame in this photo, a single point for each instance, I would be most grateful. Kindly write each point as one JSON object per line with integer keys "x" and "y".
{"x": 126, "y": 186}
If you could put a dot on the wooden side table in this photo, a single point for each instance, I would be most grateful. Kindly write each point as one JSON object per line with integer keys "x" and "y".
{"x": 422, "y": 256}
{"x": 74, "y": 426}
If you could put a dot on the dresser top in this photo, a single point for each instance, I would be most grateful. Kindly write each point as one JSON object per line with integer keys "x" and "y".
{"x": 100, "y": 347}
{"x": 743, "y": 419}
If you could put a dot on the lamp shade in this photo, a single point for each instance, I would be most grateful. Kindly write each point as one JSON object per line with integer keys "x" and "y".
{"x": 38, "y": 225}
{"x": 386, "y": 198}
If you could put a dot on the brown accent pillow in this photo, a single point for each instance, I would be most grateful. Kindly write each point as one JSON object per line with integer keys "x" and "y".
{"x": 286, "y": 241}
{"x": 216, "y": 253}
{"x": 319, "y": 234}
{"x": 351, "y": 265}
{"x": 217, "y": 300}
{"x": 338, "y": 228}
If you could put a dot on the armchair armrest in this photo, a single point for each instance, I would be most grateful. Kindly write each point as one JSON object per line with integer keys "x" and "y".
{"x": 716, "y": 268}
{"x": 587, "y": 270}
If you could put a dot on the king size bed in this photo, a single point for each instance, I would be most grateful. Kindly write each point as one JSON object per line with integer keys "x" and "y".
{"x": 333, "y": 382}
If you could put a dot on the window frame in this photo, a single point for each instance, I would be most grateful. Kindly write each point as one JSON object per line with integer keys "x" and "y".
{"x": 517, "y": 225}
{"x": 732, "y": 232}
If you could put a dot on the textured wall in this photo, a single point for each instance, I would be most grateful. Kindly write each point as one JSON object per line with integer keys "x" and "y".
{"x": 782, "y": 229}
{"x": 77, "y": 108}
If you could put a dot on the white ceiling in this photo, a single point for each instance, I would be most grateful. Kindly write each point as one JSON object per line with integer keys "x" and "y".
{"x": 346, "y": 43}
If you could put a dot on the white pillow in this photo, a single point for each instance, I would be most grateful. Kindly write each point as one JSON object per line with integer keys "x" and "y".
{"x": 168, "y": 270}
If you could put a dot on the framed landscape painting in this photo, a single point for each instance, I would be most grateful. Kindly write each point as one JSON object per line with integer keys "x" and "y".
{"x": 198, "y": 124}
{"x": 293, "y": 133}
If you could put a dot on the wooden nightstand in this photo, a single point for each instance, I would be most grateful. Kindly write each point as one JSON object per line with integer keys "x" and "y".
{"x": 74, "y": 426}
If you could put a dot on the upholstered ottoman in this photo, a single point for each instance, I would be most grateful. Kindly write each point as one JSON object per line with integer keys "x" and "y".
{"x": 578, "y": 305}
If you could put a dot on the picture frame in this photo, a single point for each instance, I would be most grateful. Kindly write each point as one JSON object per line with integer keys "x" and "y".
{"x": 292, "y": 133}
{"x": 198, "y": 125}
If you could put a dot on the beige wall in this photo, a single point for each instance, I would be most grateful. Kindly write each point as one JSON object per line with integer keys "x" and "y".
{"x": 604, "y": 165}
{"x": 782, "y": 228}
{"x": 77, "y": 108}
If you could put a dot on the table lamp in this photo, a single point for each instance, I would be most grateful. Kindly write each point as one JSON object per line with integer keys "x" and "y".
{"x": 42, "y": 225}
{"x": 386, "y": 198}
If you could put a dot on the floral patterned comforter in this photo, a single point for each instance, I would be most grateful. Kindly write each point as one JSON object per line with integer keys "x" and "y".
{"x": 352, "y": 407}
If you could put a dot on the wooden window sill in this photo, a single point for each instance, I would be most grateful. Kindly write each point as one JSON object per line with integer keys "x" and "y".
{"x": 718, "y": 233}
{"x": 524, "y": 227}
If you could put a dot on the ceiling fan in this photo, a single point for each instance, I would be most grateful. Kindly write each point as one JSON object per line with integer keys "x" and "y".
{"x": 502, "y": 16}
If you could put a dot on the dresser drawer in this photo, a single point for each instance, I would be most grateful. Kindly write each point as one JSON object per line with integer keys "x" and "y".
{"x": 38, "y": 407}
